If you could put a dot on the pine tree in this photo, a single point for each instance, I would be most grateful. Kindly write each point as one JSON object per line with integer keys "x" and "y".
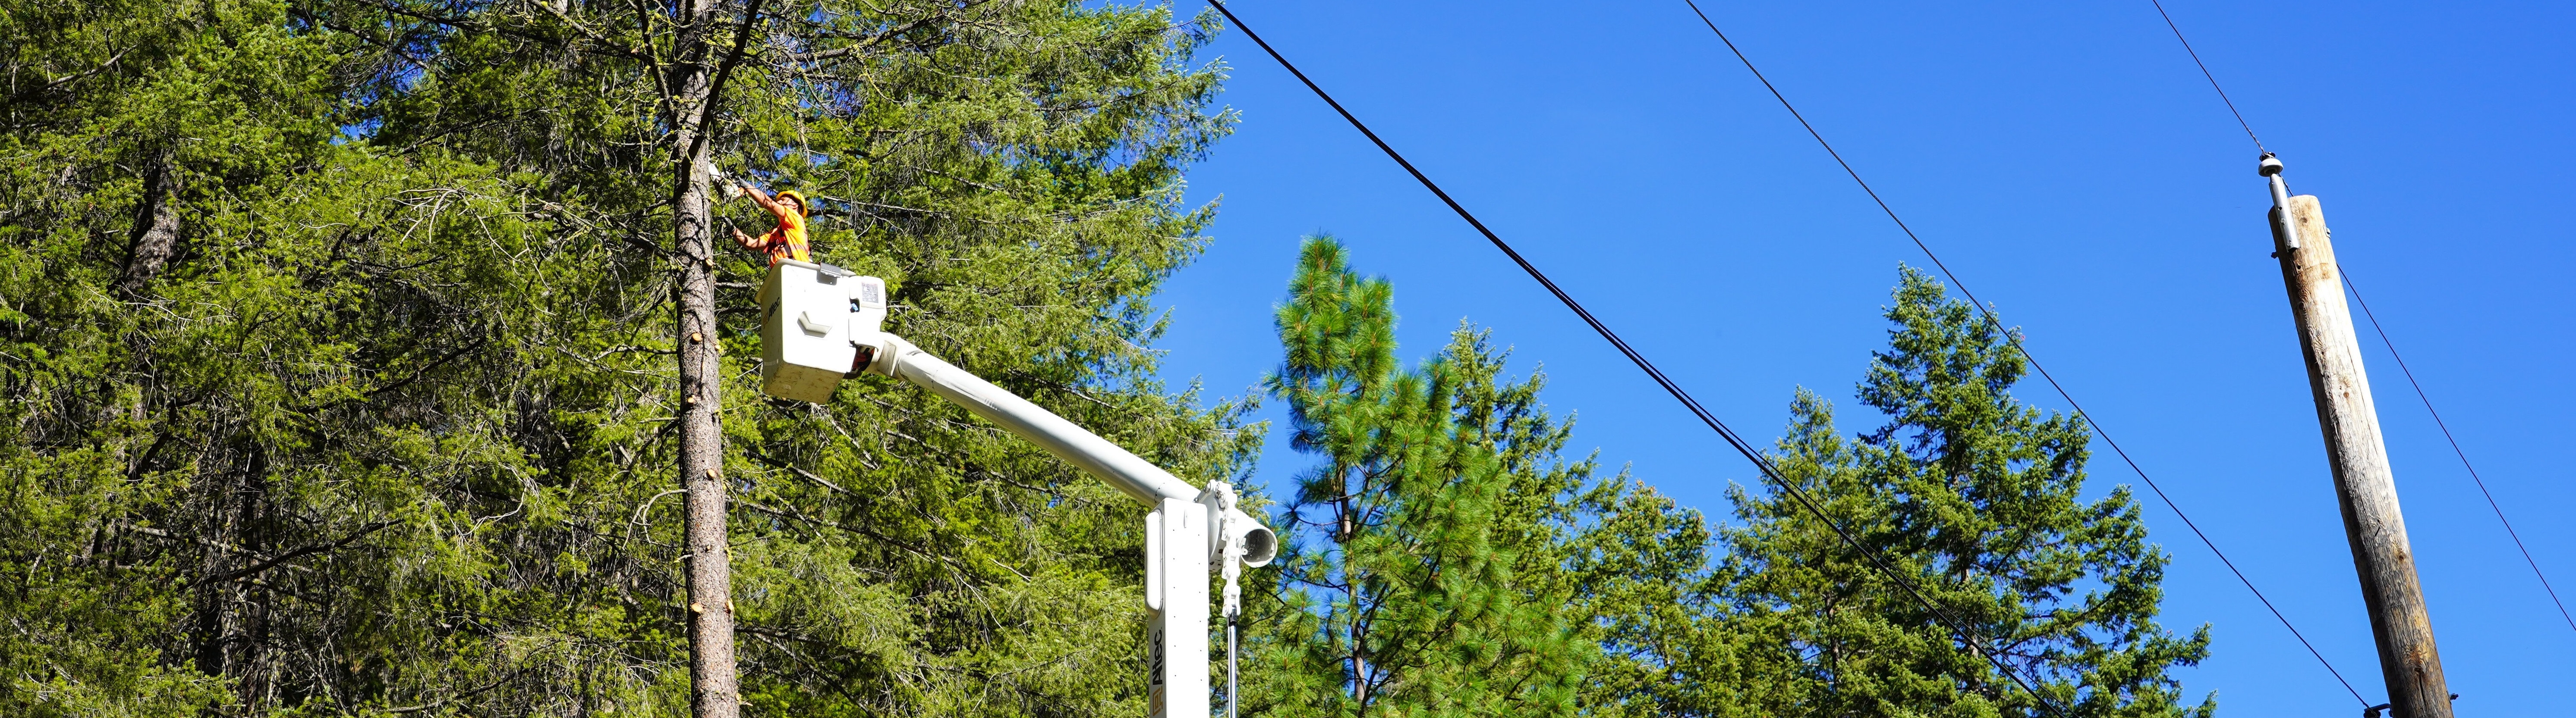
{"x": 1440, "y": 501}
{"x": 1977, "y": 499}
{"x": 1643, "y": 566}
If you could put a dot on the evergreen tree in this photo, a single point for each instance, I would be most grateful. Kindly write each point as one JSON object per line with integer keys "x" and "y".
{"x": 1976, "y": 498}
{"x": 1434, "y": 587}
{"x": 341, "y": 337}
{"x": 1642, "y": 572}
{"x": 149, "y": 145}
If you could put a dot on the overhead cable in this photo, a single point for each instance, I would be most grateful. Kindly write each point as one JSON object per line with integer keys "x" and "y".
{"x": 2455, "y": 449}
{"x": 2025, "y": 351}
{"x": 1759, "y": 461}
{"x": 2213, "y": 79}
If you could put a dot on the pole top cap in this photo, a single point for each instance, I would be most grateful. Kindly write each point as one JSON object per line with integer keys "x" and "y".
{"x": 2269, "y": 166}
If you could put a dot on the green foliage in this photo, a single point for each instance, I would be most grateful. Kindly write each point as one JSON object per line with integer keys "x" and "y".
{"x": 388, "y": 433}
{"x": 1976, "y": 499}
{"x": 1642, "y": 572}
{"x": 109, "y": 399}
{"x": 1435, "y": 587}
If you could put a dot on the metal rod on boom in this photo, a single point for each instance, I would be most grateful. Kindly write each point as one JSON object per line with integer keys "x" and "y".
{"x": 2364, "y": 484}
{"x": 1233, "y": 690}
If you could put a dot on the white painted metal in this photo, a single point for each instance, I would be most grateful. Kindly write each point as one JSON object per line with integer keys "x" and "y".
{"x": 1176, "y": 640}
{"x": 867, "y": 311}
{"x": 1237, "y": 541}
{"x": 1240, "y": 536}
{"x": 1154, "y": 560}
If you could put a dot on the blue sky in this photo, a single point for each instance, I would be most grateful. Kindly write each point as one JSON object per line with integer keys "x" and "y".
{"x": 2069, "y": 162}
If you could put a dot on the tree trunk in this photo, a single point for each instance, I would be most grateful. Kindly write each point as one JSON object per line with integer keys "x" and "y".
{"x": 1359, "y": 630}
{"x": 156, "y": 229}
{"x": 715, "y": 692}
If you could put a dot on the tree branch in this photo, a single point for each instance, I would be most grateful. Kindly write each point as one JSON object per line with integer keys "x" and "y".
{"x": 292, "y": 555}
{"x": 715, "y": 89}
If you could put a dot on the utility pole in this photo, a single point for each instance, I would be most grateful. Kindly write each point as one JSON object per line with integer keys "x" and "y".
{"x": 2364, "y": 484}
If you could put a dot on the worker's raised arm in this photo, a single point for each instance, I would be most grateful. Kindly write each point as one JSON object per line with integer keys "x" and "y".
{"x": 761, "y": 198}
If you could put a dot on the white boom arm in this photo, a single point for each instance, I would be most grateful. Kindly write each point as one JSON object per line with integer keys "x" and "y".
{"x": 1188, "y": 531}
{"x": 1130, "y": 473}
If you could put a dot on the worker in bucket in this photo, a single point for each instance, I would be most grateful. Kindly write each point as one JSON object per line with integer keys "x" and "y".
{"x": 788, "y": 240}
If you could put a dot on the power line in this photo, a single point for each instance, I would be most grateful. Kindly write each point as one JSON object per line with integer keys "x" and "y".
{"x": 1669, "y": 386}
{"x": 2455, "y": 449}
{"x": 2213, "y": 79}
{"x": 2026, "y": 355}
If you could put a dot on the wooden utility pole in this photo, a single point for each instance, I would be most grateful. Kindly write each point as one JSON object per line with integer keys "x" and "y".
{"x": 2363, "y": 483}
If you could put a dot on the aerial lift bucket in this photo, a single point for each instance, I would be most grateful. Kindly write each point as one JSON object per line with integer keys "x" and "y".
{"x": 805, "y": 321}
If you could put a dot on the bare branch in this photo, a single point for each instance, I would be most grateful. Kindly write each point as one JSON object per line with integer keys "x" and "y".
{"x": 292, "y": 555}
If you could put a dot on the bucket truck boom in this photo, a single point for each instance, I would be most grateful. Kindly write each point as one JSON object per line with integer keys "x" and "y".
{"x": 820, "y": 324}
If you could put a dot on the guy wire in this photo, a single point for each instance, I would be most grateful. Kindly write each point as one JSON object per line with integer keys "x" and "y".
{"x": 2455, "y": 449}
{"x": 2213, "y": 79}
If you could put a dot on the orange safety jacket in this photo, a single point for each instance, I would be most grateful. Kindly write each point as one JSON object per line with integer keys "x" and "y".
{"x": 788, "y": 240}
